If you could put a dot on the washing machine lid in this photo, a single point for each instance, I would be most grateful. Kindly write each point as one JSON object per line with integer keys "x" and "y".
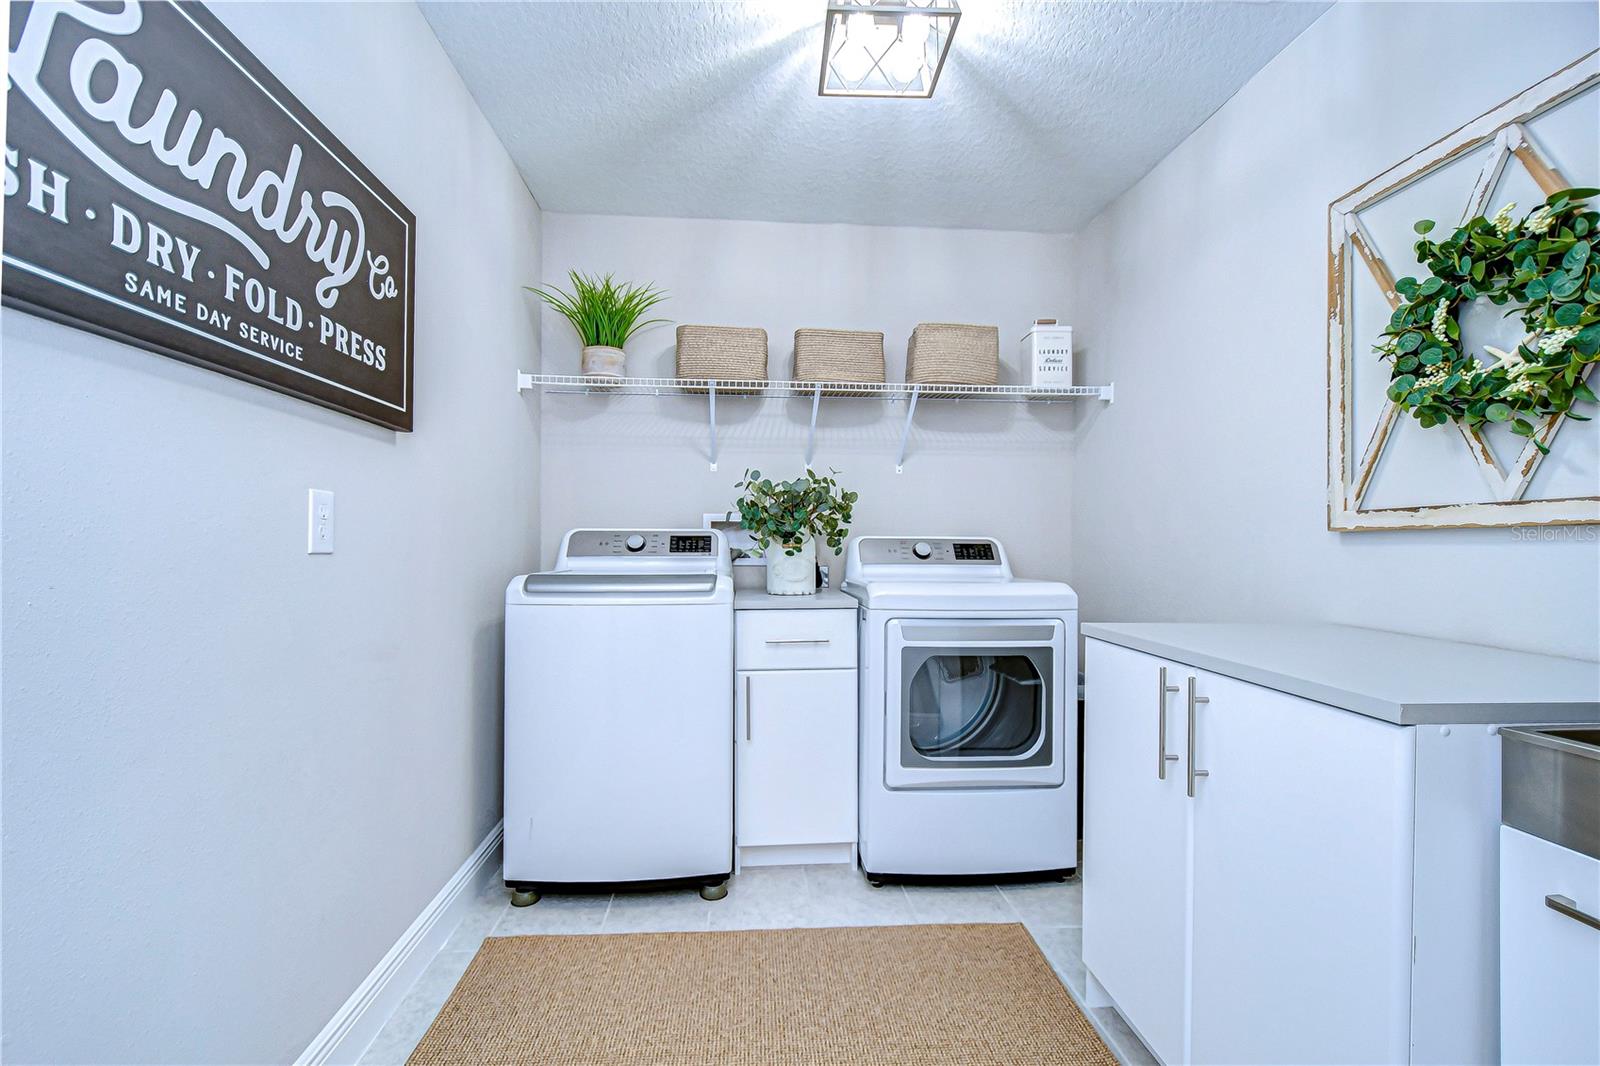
{"x": 1012, "y": 594}
{"x": 574, "y": 582}
{"x": 584, "y": 588}
{"x": 631, "y": 566}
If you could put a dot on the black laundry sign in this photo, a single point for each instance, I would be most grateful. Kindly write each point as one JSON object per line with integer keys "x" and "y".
{"x": 163, "y": 188}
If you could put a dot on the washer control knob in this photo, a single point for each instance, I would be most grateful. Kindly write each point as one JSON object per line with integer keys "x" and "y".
{"x": 635, "y": 543}
{"x": 922, "y": 549}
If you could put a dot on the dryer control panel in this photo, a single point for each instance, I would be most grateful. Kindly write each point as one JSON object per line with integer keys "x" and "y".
{"x": 912, "y": 551}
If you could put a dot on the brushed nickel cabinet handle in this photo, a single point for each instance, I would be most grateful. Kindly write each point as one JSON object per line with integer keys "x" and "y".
{"x": 799, "y": 642}
{"x": 1563, "y": 905}
{"x": 747, "y": 680}
{"x": 1162, "y": 758}
{"x": 1193, "y": 773}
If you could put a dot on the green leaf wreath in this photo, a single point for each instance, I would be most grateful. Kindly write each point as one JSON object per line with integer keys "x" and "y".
{"x": 1546, "y": 266}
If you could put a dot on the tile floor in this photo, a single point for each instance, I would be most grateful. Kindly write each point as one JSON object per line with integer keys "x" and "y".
{"x": 771, "y": 897}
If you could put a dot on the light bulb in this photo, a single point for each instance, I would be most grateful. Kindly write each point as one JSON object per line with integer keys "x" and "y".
{"x": 905, "y": 60}
{"x": 851, "y": 61}
{"x": 914, "y": 31}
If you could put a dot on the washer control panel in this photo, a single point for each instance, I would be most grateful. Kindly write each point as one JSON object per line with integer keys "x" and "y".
{"x": 912, "y": 550}
{"x": 590, "y": 543}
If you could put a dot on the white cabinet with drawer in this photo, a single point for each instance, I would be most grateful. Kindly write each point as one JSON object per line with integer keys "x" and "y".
{"x": 795, "y": 715}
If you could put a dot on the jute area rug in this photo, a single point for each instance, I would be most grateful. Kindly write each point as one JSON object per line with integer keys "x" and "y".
{"x": 917, "y": 995}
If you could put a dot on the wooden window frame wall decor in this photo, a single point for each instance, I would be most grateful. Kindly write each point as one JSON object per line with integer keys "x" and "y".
{"x": 1350, "y": 471}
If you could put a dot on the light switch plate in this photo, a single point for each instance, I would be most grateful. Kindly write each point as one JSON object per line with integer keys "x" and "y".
{"x": 319, "y": 522}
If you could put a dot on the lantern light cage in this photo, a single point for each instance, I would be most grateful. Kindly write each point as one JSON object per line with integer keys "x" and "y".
{"x": 886, "y": 48}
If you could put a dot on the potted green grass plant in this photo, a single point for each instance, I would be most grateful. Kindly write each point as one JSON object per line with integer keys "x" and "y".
{"x": 793, "y": 515}
{"x": 606, "y": 315}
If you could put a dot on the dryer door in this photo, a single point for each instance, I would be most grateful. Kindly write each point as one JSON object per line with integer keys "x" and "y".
{"x": 975, "y": 703}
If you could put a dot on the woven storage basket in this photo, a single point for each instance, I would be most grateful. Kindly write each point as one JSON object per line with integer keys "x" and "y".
{"x": 725, "y": 353}
{"x": 838, "y": 355}
{"x": 947, "y": 353}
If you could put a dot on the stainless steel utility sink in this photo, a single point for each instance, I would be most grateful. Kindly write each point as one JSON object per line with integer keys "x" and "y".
{"x": 1550, "y": 784}
{"x": 1587, "y": 735}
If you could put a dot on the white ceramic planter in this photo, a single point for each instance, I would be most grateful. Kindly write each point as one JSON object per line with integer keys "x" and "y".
{"x": 599, "y": 361}
{"x": 792, "y": 575}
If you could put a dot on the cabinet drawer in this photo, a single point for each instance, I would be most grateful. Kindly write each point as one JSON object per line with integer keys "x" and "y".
{"x": 795, "y": 640}
{"x": 1549, "y": 959}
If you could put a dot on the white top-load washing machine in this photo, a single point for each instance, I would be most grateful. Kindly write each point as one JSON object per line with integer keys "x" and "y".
{"x": 619, "y": 713}
{"x": 969, "y": 725}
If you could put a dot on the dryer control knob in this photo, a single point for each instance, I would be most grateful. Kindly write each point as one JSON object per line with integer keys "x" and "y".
{"x": 922, "y": 549}
{"x": 635, "y": 543}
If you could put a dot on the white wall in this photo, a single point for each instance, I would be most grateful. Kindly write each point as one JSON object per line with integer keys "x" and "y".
{"x": 972, "y": 468}
{"x": 234, "y": 773}
{"x": 1202, "y": 291}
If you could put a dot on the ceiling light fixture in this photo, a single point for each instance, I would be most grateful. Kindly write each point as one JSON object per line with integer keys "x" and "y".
{"x": 886, "y": 47}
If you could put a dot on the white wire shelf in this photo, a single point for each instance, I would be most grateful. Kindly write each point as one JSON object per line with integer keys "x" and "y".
{"x": 577, "y": 384}
{"x": 890, "y": 391}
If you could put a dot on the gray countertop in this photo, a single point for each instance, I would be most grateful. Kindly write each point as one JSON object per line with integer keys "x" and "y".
{"x": 1402, "y": 679}
{"x": 756, "y": 599}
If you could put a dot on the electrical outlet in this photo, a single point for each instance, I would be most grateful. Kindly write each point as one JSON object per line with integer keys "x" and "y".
{"x": 319, "y": 522}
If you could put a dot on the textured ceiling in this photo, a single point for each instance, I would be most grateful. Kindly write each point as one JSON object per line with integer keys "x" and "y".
{"x": 1043, "y": 114}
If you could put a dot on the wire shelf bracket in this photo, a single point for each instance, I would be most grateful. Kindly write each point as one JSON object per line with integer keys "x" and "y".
{"x": 811, "y": 432}
{"x": 711, "y": 404}
{"x": 905, "y": 433}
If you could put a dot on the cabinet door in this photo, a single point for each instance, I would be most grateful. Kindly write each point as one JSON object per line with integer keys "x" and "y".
{"x": 1549, "y": 961}
{"x": 1302, "y": 835}
{"x": 796, "y": 757}
{"x": 1135, "y": 843}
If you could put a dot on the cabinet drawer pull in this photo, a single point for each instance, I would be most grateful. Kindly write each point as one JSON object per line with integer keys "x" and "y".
{"x": 1162, "y": 758}
{"x": 823, "y": 641}
{"x": 1193, "y": 773}
{"x": 1563, "y": 905}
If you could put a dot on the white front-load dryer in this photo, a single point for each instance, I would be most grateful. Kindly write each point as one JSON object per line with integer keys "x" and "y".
{"x": 619, "y": 714}
{"x": 968, "y": 711}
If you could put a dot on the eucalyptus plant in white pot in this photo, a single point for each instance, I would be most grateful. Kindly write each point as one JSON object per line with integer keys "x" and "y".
{"x": 793, "y": 515}
{"x": 605, "y": 315}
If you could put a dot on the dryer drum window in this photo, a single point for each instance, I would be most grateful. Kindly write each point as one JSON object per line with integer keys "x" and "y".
{"x": 983, "y": 705}
{"x": 978, "y": 707}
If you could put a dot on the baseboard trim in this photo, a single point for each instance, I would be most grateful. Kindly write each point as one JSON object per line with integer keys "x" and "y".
{"x": 354, "y": 1025}
{"x": 796, "y": 854}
